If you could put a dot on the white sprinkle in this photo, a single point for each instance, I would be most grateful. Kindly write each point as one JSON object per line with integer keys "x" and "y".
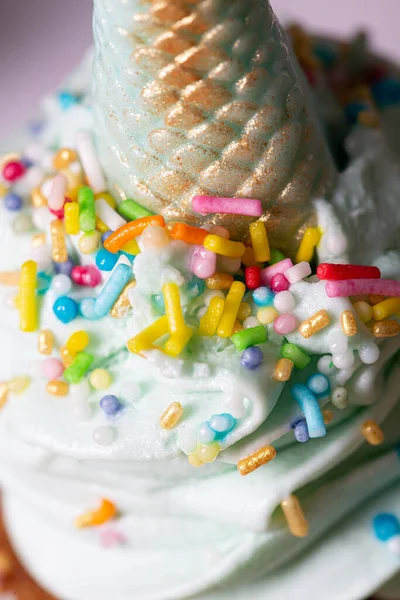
{"x": 90, "y": 162}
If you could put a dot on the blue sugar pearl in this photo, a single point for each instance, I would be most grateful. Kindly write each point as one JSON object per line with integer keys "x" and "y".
{"x": 205, "y": 435}
{"x": 110, "y": 404}
{"x": 263, "y": 296}
{"x": 86, "y": 309}
{"x": 319, "y": 384}
{"x": 105, "y": 260}
{"x": 27, "y": 162}
{"x": 65, "y": 309}
{"x": 158, "y": 304}
{"x": 13, "y": 202}
{"x": 222, "y": 423}
{"x": 251, "y": 358}
{"x": 66, "y": 100}
{"x": 311, "y": 410}
{"x": 106, "y": 235}
{"x": 301, "y": 432}
{"x": 386, "y": 526}
{"x": 64, "y": 268}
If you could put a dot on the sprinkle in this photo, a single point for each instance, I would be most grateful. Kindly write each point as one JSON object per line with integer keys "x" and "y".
{"x": 327, "y": 415}
{"x": 57, "y": 388}
{"x": 376, "y": 298}
{"x": 77, "y": 342}
{"x": 283, "y": 369}
{"x": 45, "y": 341}
{"x": 58, "y": 242}
{"x": 189, "y": 234}
{"x": 285, "y": 324}
{"x": 386, "y": 526}
{"x": 27, "y": 297}
{"x": 311, "y": 410}
{"x": 172, "y": 414}
{"x": 65, "y": 309}
{"x": 244, "y": 311}
{"x": 132, "y": 247}
{"x": 248, "y": 257}
{"x": 173, "y": 308}
{"x": 253, "y": 277}
{"x": 311, "y": 238}
{"x": 129, "y": 231}
{"x": 146, "y": 338}
{"x": 340, "y": 398}
{"x": 71, "y": 218}
{"x": 258, "y": 459}
{"x": 80, "y": 365}
{"x": 17, "y": 385}
{"x": 63, "y": 158}
{"x": 364, "y": 310}
{"x": 219, "y": 281}
{"x": 348, "y": 323}
{"x": 209, "y": 322}
{"x": 108, "y": 215}
{"x": 205, "y": 205}
{"x": 221, "y": 231}
{"x": 39, "y": 239}
{"x": 251, "y": 358}
{"x": 384, "y": 329}
{"x": 106, "y": 512}
{"x": 203, "y": 263}
{"x": 314, "y": 324}
{"x": 372, "y": 432}
{"x": 89, "y": 242}
{"x": 332, "y": 272}
{"x": 87, "y": 210}
{"x": 90, "y": 162}
{"x": 249, "y": 337}
{"x": 231, "y": 308}
{"x": 3, "y": 393}
{"x": 358, "y": 287}
{"x": 87, "y": 275}
{"x": 276, "y": 256}
{"x": 100, "y": 379}
{"x": 259, "y": 241}
{"x": 66, "y": 357}
{"x": 295, "y": 354}
{"x": 58, "y": 192}
{"x": 131, "y": 210}
{"x": 110, "y": 405}
{"x": 280, "y": 267}
{"x": 11, "y": 278}
{"x": 208, "y": 453}
{"x": 112, "y": 289}
{"x": 386, "y": 308}
{"x": 177, "y": 341}
{"x": 263, "y": 296}
{"x": 298, "y": 272}
{"x": 297, "y": 523}
{"x": 224, "y": 247}
{"x": 122, "y": 305}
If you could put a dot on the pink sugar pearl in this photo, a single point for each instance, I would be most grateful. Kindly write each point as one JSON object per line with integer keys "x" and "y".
{"x": 284, "y": 324}
{"x": 279, "y": 283}
{"x": 13, "y": 170}
{"x": 155, "y": 236}
{"x": 52, "y": 368}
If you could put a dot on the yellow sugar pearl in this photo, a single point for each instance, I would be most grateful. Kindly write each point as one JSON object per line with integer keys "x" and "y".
{"x": 17, "y": 385}
{"x": 92, "y": 518}
{"x": 327, "y": 415}
{"x": 100, "y": 379}
{"x": 122, "y": 305}
{"x": 77, "y": 342}
{"x": 131, "y": 247}
{"x": 89, "y": 242}
{"x": 39, "y": 239}
{"x": 71, "y": 218}
{"x": 283, "y": 369}
{"x": 244, "y": 311}
{"x": 209, "y": 322}
{"x": 57, "y": 388}
{"x": 297, "y": 523}
{"x": 208, "y": 452}
{"x": 66, "y": 357}
{"x": 58, "y": 241}
{"x": 27, "y": 297}
{"x": 177, "y": 341}
{"x": 3, "y": 393}
{"x": 171, "y": 416}
{"x": 37, "y": 198}
{"x": 195, "y": 461}
{"x": 45, "y": 342}
{"x": 173, "y": 308}
{"x": 364, "y": 310}
{"x": 231, "y": 309}
{"x": 146, "y": 338}
{"x": 259, "y": 240}
{"x": 267, "y": 315}
{"x": 314, "y": 324}
{"x": 386, "y": 308}
{"x": 311, "y": 238}
{"x": 348, "y": 323}
{"x": 383, "y": 329}
{"x": 63, "y": 158}
{"x": 3, "y": 190}
{"x": 219, "y": 281}
{"x": 372, "y": 432}
{"x": 224, "y": 247}
{"x": 257, "y": 459}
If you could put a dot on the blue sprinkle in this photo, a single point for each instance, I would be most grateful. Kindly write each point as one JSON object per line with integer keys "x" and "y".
{"x": 65, "y": 309}
{"x": 105, "y": 260}
{"x": 263, "y": 296}
{"x": 386, "y": 526}
{"x": 86, "y": 309}
{"x": 110, "y": 404}
{"x": 301, "y": 432}
{"x": 13, "y": 202}
{"x": 112, "y": 289}
{"x": 196, "y": 287}
{"x": 319, "y": 384}
{"x": 43, "y": 282}
{"x": 205, "y": 435}
{"x": 67, "y": 100}
{"x": 386, "y": 92}
{"x": 251, "y": 358}
{"x": 311, "y": 410}
{"x": 130, "y": 257}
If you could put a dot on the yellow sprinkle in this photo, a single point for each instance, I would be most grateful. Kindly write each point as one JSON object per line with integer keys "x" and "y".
{"x": 257, "y": 459}
{"x": 259, "y": 240}
{"x": 207, "y": 453}
{"x": 57, "y": 388}
{"x": 146, "y": 338}
{"x": 101, "y": 226}
{"x": 92, "y": 518}
{"x": 244, "y": 311}
{"x": 3, "y": 393}
{"x": 11, "y": 278}
{"x": 122, "y": 305}
{"x": 224, "y": 247}
{"x": 66, "y": 357}
{"x": 231, "y": 309}
{"x": 307, "y": 246}
{"x": 364, "y": 310}
{"x": 219, "y": 281}
{"x": 386, "y": 308}
{"x": 376, "y": 298}
{"x": 195, "y": 461}
{"x": 372, "y": 432}
{"x": 172, "y": 414}
{"x": 177, "y": 341}
{"x": 89, "y": 242}
{"x": 314, "y": 324}
{"x": 267, "y": 315}
{"x": 27, "y": 297}
{"x": 131, "y": 247}
{"x": 248, "y": 258}
{"x": 17, "y": 385}
{"x": 283, "y": 369}
{"x": 327, "y": 416}
{"x": 173, "y": 308}
{"x": 77, "y": 342}
{"x": 39, "y": 239}
{"x": 297, "y": 523}
{"x": 383, "y": 329}
{"x": 348, "y": 323}
{"x": 71, "y": 218}
{"x": 58, "y": 242}
{"x": 209, "y": 322}
{"x": 45, "y": 342}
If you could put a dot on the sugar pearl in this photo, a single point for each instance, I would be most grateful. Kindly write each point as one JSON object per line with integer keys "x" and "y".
{"x": 154, "y": 236}
{"x": 103, "y": 436}
{"x": 208, "y": 452}
{"x": 235, "y": 405}
{"x": 210, "y": 294}
{"x": 369, "y": 353}
{"x": 52, "y": 368}
{"x": 285, "y": 324}
{"x": 337, "y": 341}
{"x": 187, "y": 440}
{"x": 61, "y": 284}
{"x": 205, "y": 435}
{"x": 81, "y": 409}
{"x": 263, "y": 296}
{"x": 318, "y": 384}
{"x": 22, "y": 224}
{"x": 252, "y": 358}
{"x": 110, "y": 404}
{"x": 267, "y": 315}
{"x": 325, "y": 365}
{"x": 336, "y": 244}
{"x": 100, "y": 379}
{"x": 301, "y": 432}
{"x": 340, "y": 398}
{"x": 344, "y": 360}
{"x": 279, "y": 283}
{"x": 284, "y": 302}
{"x": 250, "y": 322}
{"x": 222, "y": 423}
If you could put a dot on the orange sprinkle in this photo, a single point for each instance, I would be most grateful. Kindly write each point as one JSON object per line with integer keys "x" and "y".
{"x": 129, "y": 231}
{"x": 106, "y": 512}
{"x": 188, "y": 233}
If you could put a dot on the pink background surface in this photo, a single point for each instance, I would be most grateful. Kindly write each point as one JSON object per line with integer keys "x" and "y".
{"x": 41, "y": 40}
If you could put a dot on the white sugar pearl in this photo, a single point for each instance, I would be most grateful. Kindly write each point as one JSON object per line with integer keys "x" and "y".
{"x": 61, "y": 284}
{"x": 103, "y": 435}
{"x": 82, "y": 411}
{"x": 337, "y": 341}
{"x": 284, "y": 302}
{"x": 340, "y": 398}
{"x": 205, "y": 434}
{"x": 235, "y": 405}
{"x": 187, "y": 439}
{"x": 325, "y": 365}
{"x": 130, "y": 391}
{"x": 368, "y": 353}
{"x": 22, "y": 223}
{"x": 344, "y": 360}
{"x": 210, "y": 294}
{"x": 251, "y": 322}
{"x": 80, "y": 390}
{"x": 336, "y": 244}
{"x": 344, "y": 375}
{"x": 394, "y": 544}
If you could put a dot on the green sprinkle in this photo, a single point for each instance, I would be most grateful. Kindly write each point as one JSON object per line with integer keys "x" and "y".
{"x": 87, "y": 210}
{"x": 331, "y": 365}
{"x": 78, "y": 368}
{"x": 131, "y": 210}
{"x": 249, "y": 337}
{"x": 299, "y": 358}
{"x": 276, "y": 256}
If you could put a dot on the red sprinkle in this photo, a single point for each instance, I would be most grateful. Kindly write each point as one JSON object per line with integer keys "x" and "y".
{"x": 253, "y": 277}
{"x": 330, "y": 272}
{"x": 60, "y": 212}
{"x": 13, "y": 170}
{"x": 88, "y": 276}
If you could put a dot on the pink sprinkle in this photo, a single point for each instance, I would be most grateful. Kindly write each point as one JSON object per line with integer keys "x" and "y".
{"x": 57, "y": 193}
{"x": 279, "y": 283}
{"x": 88, "y": 275}
{"x": 203, "y": 262}
{"x": 52, "y": 368}
{"x": 279, "y": 267}
{"x": 59, "y": 213}
{"x": 112, "y": 537}
{"x": 298, "y": 272}
{"x": 205, "y": 205}
{"x": 285, "y": 324}
{"x": 355, "y": 287}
